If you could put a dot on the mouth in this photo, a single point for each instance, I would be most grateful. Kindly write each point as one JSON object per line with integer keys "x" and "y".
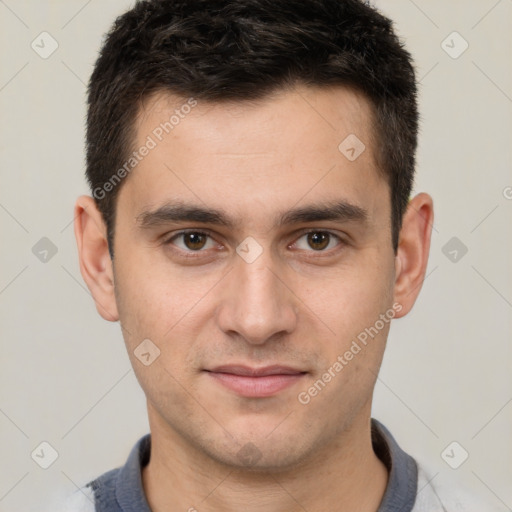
{"x": 256, "y": 382}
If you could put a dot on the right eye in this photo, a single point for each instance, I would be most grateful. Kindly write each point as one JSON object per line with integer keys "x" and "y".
{"x": 192, "y": 241}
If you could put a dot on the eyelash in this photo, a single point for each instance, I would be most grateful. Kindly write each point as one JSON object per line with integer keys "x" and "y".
{"x": 194, "y": 254}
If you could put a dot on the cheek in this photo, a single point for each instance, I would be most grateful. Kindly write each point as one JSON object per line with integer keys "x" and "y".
{"x": 352, "y": 299}
{"x": 351, "y": 303}
{"x": 167, "y": 307}
{"x": 141, "y": 303}
{"x": 152, "y": 297}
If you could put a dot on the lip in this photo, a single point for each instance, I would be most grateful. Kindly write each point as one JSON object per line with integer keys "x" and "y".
{"x": 256, "y": 382}
{"x": 240, "y": 369}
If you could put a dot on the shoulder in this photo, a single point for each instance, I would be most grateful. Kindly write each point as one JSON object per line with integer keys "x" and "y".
{"x": 81, "y": 500}
{"x": 116, "y": 490}
{"x": 441, "y": 493}
{"x": 101, "y": 490}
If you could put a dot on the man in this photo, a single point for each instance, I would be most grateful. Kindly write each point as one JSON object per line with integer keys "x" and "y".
{"x": 251, "y": 227}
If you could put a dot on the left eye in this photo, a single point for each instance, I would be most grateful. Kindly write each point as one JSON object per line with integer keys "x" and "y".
{"x": 192, "y": 241}
{"x": 317, "y": 240}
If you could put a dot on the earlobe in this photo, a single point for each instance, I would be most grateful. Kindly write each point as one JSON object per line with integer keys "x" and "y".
{"x": 413, "y": 249}
{"x": 95, "y": 263}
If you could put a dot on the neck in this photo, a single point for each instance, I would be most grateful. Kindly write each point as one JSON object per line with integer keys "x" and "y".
{"x": 343, "y": 475}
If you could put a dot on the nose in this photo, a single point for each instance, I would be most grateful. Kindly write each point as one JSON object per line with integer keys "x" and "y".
{"x": 256, "y": 303}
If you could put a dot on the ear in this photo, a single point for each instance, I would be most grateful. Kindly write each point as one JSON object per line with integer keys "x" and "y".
{"x": 95, "y": 263}
{"x": 413, "y": 249}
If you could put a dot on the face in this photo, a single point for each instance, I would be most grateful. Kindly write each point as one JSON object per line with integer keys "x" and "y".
{"x": 247, "y": 238}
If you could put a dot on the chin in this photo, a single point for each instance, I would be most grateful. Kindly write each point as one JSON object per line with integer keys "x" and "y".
{"x": 261, "y": 452}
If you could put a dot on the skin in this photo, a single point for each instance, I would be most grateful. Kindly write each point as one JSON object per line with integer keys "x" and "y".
{"x": 296, "y": 304}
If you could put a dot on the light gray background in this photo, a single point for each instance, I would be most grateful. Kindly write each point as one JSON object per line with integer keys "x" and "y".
{"x": 65, "y": 377}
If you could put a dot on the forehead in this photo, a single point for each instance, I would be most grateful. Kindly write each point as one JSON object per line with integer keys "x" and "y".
{"x": 303, "y": 144}
{"x": 321, "y": 109}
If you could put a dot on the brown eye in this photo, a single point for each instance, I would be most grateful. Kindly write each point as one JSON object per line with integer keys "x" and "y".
{"x": 318, "y": 240}
{"x": 192, "y": 241}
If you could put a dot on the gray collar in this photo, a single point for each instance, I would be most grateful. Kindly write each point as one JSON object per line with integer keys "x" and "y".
{"x": 403, "y": 471}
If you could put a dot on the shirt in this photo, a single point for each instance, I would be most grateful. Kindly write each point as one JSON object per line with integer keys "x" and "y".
{"x": 410, "y": 488}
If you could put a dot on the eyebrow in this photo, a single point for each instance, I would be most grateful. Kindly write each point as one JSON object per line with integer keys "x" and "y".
{"x": 340, "y": 211}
